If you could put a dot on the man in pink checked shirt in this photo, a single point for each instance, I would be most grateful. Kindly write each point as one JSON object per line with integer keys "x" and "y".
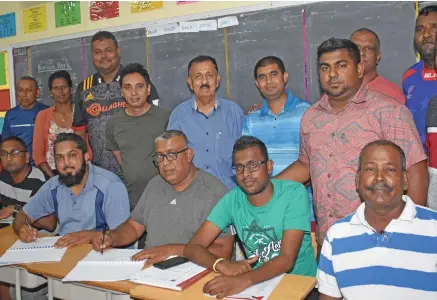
{"x": 335, "y": 129}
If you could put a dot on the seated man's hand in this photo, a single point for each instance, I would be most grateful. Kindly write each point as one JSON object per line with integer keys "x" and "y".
{"x": 74, "y": 239}
{"x": 155, "y": 254}
{"x": 98, "y": 239}
{"x": 6, "y": 212}
{"x": 224, "y": 286}
{"x": 228, "y": 268}
{"x": 27, "y": 234}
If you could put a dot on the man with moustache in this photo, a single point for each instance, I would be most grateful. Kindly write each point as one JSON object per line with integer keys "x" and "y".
{"x": 173, "y": 206}
{"x": 83, "y": 197}
{"x": 211, "y": 124}
{"x": 370, "y": 49}
{"x": 336, "y": 128}
{"x": 99, "y": 96}
{"x": 419, "y": 82}
{"x": 387, "y": 248}
{"x": 131, "y": 133}
{"x": 271, "y": 217}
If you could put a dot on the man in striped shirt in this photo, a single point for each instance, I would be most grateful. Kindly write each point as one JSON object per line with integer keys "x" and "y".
{"x": 19, "y": 180}
{"x": 386, "y": 249}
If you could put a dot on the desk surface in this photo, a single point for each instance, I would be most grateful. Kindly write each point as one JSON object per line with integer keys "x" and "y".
{"x": 291, "y": 287}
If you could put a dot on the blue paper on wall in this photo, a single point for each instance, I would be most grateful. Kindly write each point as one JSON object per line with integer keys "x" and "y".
{"x": 7, "y": 25}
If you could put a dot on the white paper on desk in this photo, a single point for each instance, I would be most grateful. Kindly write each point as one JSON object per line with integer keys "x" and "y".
{"x": 169, "y": 278}
{"x": 112, "y": 265}
{"x": 227, "y": 22}
{"x": 6, "y": 264}
{"x": 207, "y": 25}
{"x": 257, "y": 291}
{"x": 41, "y": 250}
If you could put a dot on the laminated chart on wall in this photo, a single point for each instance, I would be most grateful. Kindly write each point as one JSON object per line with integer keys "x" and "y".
{"x": 35, "y": 19}
{"x": 142, "y": 6}
{"x": 101, "y": 10}
{"x": 67, "y": 13}
{"x": 8, "y": 25}
{"x": 4, "y": 71}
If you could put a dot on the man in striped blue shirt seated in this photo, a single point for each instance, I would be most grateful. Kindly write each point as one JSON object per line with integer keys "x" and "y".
{"x": 387, "y": 249}
{"x": 277, "y": 121}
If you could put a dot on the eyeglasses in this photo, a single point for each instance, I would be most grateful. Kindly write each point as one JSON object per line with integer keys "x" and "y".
{"x": 13, "y": 153}
{"x": 252, "y": 166}
{"x": 159, "y": 157}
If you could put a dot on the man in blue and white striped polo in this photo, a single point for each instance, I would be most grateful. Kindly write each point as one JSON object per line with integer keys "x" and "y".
{"x": 387, "y": 249}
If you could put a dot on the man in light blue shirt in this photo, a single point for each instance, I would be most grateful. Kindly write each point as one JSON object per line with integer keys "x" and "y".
{"x": 277, "y": 122}
{"x": 211, "y": 124}
{"x": 83, "y": 198}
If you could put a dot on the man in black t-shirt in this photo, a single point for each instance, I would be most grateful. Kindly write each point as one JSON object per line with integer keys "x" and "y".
{"x": 19, "y": 181}
{"x": 99, "y": 96}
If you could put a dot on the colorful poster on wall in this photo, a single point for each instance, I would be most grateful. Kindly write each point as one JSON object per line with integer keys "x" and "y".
{"x": 7, "y": 25}
{"x": 35, "y": 19}
{"x": 100, "y": 10}
{"x": 140, "y": 6}
{"x": 185, "y": 2}
{"x": 67, "y": 13}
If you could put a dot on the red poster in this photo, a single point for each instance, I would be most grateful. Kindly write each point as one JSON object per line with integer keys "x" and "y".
{"x": 100, "y": 10}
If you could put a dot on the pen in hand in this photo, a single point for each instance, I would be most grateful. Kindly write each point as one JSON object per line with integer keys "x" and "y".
{"x": 28, "y": 224}
{"x": 103, "y": 240}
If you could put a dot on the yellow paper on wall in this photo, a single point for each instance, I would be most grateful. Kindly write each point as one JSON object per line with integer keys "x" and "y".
{"x": 35, "y": 19}
{"x": 140, "y": 6}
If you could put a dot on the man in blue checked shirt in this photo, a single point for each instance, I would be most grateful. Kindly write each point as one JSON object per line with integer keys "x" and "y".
{"x": 277, "y": 122}
{"x": 211, "y": 124}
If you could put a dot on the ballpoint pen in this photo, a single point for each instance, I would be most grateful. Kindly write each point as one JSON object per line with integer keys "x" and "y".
{"x": 27, "y": 222}
{"x": 103, "y": 240}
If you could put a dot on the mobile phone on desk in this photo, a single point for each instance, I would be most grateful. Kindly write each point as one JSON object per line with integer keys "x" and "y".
{"x": 172, "y": 262}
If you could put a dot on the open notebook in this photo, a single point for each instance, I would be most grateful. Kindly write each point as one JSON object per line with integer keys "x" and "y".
{"x": 259, "y": 291}
{"x": 41, "y": 250}
{"x": 112, "y": 265}
{"x": 176, "y": 278}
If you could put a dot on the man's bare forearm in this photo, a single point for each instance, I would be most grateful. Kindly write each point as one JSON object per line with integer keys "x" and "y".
{"x": 123, "y": 235}
{"x": 200, "y": 255}
{"x": 297, "y": 171}
{"x": 275, "y": 267}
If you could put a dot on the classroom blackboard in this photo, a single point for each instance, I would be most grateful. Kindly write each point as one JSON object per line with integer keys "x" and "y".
{"x": 276, "y": 31}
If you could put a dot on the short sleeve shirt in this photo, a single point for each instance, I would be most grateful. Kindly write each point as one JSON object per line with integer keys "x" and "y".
{"x": 260, "y": 229}
{"x": 135, "y": 137}
{"x": 82, "y": 212}
{"x": 331, "y": 144}
{"x": 172, "y": 217}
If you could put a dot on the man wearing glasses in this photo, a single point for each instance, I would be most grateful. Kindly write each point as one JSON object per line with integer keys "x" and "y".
{"x": 272, "y": 219}
{"x": 173, "y": 206}
{"x": 19, "y": 180}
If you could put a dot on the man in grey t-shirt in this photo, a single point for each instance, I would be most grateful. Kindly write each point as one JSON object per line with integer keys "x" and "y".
{"x": 131, "y": 133}
{"x": 173, "y": 205}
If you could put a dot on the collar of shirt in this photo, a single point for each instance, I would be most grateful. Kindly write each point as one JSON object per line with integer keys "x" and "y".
{"x": 116, "y": 77}
{"x": 359, "y": 97}
{"x": 216, "y": 105}
{"x": 289, "y": 104}
{"x": 89, "y": 185}
{"x": 408, "y": 214}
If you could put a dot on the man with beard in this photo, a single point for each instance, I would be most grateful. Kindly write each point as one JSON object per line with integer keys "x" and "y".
{"x": 173, "y": 206}
{"x": 370, "y": 49}
{"x": 212, "y": 124}
{"x": 387, "y": 248}
{"x": 336, "y": 128}
{"x": 83, "y": 197}
{"x": 99, "y": 96}
{"x": 271, "y": 217}
{"x": 419, "y": 82}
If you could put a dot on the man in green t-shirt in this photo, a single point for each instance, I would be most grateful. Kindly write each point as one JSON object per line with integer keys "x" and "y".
{"x": 272, "y": 219}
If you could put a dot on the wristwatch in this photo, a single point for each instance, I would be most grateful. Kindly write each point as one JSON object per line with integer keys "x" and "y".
{"x": 16, "y": 210}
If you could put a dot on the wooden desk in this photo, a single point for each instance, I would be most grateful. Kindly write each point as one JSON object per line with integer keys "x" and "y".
{"x": 291, "y": 287}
